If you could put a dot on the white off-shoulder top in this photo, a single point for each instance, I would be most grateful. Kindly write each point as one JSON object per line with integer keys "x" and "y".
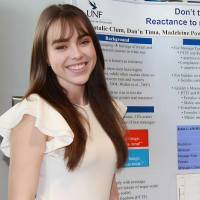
{"x": 92, "y": 179}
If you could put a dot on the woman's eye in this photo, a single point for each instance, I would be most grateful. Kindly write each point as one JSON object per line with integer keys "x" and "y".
{"x": 61, "y": 47}
{"x": 85, "y": 42}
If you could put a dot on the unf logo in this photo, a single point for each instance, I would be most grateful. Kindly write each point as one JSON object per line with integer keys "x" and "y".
{"x": 93, "y": 12}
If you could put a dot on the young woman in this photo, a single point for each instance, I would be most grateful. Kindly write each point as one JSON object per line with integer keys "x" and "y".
{"x": 66, "y": 138}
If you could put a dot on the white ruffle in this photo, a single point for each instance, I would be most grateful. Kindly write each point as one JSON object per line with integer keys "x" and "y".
{"x": 48, "y": 121}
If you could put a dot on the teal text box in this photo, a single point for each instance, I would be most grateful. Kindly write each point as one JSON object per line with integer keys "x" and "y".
{"x": 137, "y": 158}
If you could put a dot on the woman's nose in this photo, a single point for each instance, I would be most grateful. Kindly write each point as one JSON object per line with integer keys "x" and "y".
{"x": 76, "y": 53}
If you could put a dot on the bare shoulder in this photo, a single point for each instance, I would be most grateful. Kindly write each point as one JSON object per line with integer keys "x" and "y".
{"x": 27, "y": 117}
{"x": 26, "y": 120}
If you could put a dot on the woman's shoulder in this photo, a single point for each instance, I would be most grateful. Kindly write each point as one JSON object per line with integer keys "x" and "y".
{"x": 47, "y": 120}
{"x": 121, "y": 108}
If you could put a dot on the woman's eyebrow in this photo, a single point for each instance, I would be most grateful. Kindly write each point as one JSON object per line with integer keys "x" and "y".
{"x": 67, "y": 39}
{"x": 83, "y": 35}
{"x": 59, "y": 41}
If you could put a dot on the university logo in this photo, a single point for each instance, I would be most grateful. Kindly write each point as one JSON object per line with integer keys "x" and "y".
{"x": 93, "y": 5}
{"x": 93, "y": 12}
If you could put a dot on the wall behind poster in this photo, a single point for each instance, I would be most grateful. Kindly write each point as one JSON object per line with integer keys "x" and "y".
{"x": 152, "y": 64}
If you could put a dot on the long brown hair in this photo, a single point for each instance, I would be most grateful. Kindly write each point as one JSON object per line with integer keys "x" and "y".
{"x": 43, "y": 81}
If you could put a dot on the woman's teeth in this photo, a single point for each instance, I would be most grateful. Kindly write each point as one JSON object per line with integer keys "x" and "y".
{"x": 77, "y": 66}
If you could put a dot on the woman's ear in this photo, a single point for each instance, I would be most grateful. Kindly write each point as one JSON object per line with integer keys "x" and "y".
{"x": 48, "y": 63}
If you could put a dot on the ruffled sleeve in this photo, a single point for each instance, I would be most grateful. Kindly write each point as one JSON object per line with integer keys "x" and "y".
{"x": 48, "y": 121}
{"x": 121, "y": 108}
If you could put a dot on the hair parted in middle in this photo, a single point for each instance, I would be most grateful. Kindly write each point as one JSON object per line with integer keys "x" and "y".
{"x": 43, "y": 81}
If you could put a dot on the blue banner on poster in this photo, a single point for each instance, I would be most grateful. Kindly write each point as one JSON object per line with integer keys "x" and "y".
{"x": 114, "y": 38}
{"x": 191, "y": 42}
{"x": 140, "y": 109}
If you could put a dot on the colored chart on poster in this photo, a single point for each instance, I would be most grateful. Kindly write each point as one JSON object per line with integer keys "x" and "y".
{"x": 137, "y": 138}
{"x": 188, "y": 147}
{"x": 188, "y": 187}
{"x": 137, "y": 158}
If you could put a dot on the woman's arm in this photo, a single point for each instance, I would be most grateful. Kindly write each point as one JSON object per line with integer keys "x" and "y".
{"x": 27, "y": 146}
{"x": 114, "y": 191}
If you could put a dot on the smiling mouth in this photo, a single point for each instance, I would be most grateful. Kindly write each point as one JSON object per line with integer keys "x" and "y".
{"x": 77, "y": 67}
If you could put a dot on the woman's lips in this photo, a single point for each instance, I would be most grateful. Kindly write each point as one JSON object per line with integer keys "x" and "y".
{"x": 77, "y": 68}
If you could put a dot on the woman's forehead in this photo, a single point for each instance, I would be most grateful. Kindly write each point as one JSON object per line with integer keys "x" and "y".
{"x": 56, "y": 31}
{"x": 59, "y": 29}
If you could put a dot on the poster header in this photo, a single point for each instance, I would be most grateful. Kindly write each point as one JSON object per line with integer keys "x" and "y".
{"x": 143, "y": 19}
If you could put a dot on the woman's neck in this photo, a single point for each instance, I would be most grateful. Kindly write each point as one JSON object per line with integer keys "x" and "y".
{"x": 76, "y": 95}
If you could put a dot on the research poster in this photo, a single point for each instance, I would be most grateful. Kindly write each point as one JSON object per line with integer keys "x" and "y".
{"x": 152, "y": 65}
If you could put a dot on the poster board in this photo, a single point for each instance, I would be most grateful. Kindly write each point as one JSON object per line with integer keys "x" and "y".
{"x": 152, "y": 60}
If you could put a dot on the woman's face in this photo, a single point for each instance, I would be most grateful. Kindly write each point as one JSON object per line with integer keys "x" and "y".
{"x": 72, "y": 60}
